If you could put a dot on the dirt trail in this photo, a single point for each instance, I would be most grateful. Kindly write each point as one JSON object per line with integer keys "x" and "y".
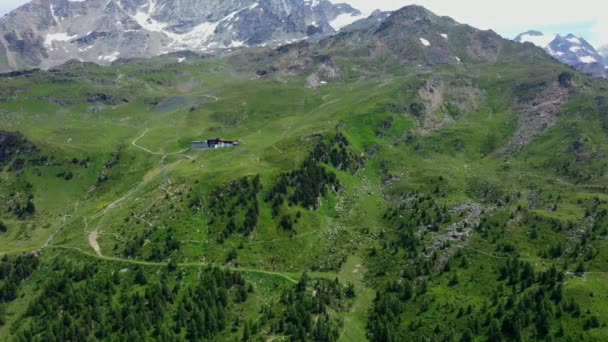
{"x": 124, "y": 197}
{"x": 215, "y": 98}
{"x": 92, "y": 237}
{"x": 285, "y": 276}
{"x": 61, "y": 226}
{"x": 285, "y": 239}
{"x": 134, "y": 143}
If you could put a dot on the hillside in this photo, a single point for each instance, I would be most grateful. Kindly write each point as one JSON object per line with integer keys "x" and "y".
{"x": 409, "y": 178}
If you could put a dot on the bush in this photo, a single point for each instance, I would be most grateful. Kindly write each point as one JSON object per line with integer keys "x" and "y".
{"x": 231, "y": 255}
{"x": 565, "y": 79}
{"x": 592, "y": 323}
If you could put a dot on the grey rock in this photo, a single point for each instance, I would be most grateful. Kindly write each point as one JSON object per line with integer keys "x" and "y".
{"x": 46, "y": 33}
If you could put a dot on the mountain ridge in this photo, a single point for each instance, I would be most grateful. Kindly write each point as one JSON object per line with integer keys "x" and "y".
{"x": 570, "y": 49}
{"x": 45, "y": 33}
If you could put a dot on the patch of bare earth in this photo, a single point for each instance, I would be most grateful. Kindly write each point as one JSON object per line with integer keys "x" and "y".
{"x": 436, "y": 95}
{"x": 538, "y": 115}
{"x": 93, "y": 241}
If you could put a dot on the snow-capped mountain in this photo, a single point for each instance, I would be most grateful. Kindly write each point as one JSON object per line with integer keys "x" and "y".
{"x": 45, "y": 33}
{"x": 572, "y": 50}
{"x": 603, "y": 51}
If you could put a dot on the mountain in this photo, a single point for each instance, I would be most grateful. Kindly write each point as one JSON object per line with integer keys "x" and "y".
{"x": 409, "y": 178}
{"x": 571, "y": 50}
{"x": 45, "y": 33}
{"x": 603, "y": 51}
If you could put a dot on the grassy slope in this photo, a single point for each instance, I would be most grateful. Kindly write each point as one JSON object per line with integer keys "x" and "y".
{"x": 171, "y": 104}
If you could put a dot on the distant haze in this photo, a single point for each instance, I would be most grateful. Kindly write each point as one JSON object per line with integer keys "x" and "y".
{"x": 9, "y": 5}
{"x": 586, "y": 18}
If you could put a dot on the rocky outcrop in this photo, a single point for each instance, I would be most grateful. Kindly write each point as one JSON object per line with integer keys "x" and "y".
{"x": 539, "y": 114}
{"x": 444, "y": 100}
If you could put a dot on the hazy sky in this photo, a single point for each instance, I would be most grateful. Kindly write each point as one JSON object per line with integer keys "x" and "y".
{"x": 587, "y": 18}
{"x": 8, "y": 5}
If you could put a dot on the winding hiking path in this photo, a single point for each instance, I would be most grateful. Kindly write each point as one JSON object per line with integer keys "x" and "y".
{"x": 285, "y": 239}
{"x": 124, "y": 197}
{"x": 60, "y": 228}
{"x": 134, "y": 143}
{"x": 183, "y": 264}
{"x": 215, "y": 98}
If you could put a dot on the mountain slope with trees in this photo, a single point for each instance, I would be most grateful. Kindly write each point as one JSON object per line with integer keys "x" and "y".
{"x": 409, "y": 178}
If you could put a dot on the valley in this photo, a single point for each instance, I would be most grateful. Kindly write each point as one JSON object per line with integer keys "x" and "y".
{"x": 408, "y": 178}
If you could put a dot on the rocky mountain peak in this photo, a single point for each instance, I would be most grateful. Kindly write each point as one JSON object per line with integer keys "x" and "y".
{"x": 412, "y": 35}
{"x": 45, "y": 33}
{"x": 570, "y": 49}
{"x": 414, "y": 12}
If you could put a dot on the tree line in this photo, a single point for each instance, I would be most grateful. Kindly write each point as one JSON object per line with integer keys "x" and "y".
{"x": 81, "y": 301}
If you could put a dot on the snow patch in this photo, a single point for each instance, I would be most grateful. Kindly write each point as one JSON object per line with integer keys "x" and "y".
{"x": 573, "y": 40}
{"x": 588, "y": 59}
{"x": 444, "y": 35}
{"x": 553, "y": 52}
{"x": 236, "y": 44}
{"x": 57, "y": 37}
{"x": 110, "y": 58}
{"x": 180, "y": 60}
{"x": 344, "y": 19}
{"x": 575, "y": 48}
{"x": 425, "y": 42}
{"x": 197, "y": 37}
{"x": 144, "y": 20}
{"x": 199, "y": 34}
{"x": 86, "y": 48}
{"x": 53, "y": 14}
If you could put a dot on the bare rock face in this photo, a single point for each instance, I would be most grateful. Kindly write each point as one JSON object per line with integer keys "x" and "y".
{"x": 443, "y": 100}
{"x": 539, "y": 114}
{"x": 46, "y": 33}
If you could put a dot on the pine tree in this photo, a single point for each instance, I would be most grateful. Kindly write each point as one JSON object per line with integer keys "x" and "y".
{"x": 140, "y": 276}
{"x": 246, "y": 332}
